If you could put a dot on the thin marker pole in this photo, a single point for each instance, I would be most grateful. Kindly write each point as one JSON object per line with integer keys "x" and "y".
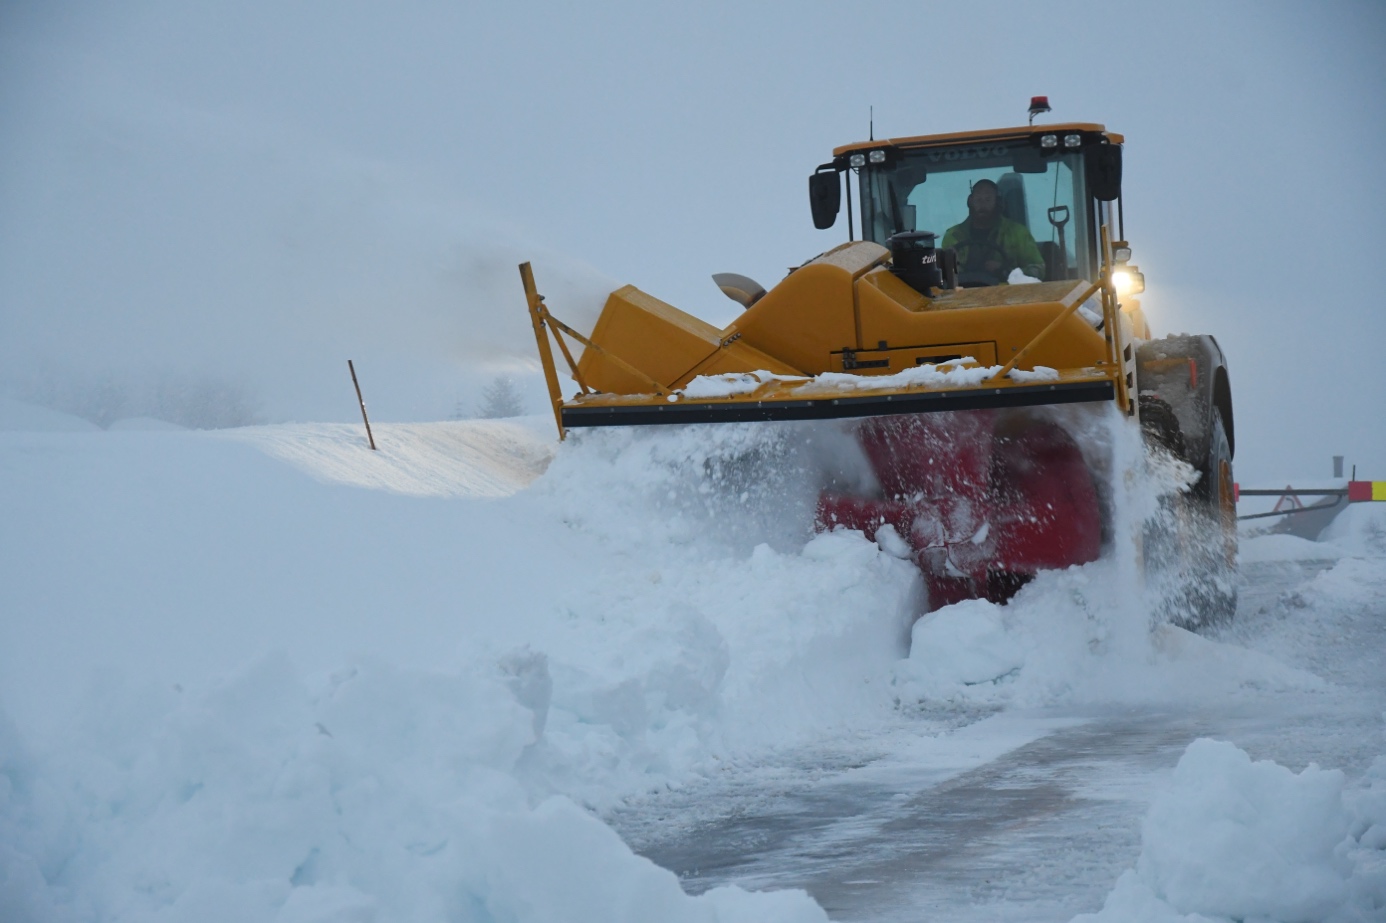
{"x": 362, "y": 401}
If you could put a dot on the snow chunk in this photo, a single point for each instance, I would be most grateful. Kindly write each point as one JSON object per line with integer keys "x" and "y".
{"x": 1233, "y": 839}
{"x": 954, "y": 373}
{"x": 1018, "y": 277}
{"x": 730, "y": 385}
{"x": 892, "y": 543}
{"x": 1241, "y": 838}
{"x": 965, "y": 643}
{"x": 1038, "y": 373}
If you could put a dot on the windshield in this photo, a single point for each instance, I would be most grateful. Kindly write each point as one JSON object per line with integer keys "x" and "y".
{"x": 1001, "y": 206}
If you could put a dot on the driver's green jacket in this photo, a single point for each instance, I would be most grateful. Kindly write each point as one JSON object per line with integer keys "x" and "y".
{"x": 1008, "y": 242}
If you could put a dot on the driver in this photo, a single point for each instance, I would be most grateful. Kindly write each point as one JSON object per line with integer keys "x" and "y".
{"x": 989, "y": 244}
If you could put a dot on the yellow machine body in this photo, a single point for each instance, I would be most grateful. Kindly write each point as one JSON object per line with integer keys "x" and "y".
{"x": 842, "y": 312}
{"x": 847, "y": 312}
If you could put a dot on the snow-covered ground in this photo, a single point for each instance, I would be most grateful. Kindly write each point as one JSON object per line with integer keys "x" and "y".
{"x": 267, "y": 674}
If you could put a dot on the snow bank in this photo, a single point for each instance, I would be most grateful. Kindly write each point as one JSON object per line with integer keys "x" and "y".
{"x": 144, "y": 424}
{"x": 1233, "y": 839}
{"x": 375, "y": 794}
{"x": 1264, "y": 549}
{"x": 1352, "y": 584}
{"x": 652, "y": 607}
{"x": 20, "y": 416}
{"x": 1359, "y": 530}
{"x": 472, "y": 458}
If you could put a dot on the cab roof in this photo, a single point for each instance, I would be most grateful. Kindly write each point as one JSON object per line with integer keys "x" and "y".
{"x": 991, "y": 134}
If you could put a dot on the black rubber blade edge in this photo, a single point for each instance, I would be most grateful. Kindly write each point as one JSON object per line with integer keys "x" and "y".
{"x": 877, "y": 405}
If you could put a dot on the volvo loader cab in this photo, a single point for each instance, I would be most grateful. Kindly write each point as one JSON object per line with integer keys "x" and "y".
{"x": 1054, "y": 185}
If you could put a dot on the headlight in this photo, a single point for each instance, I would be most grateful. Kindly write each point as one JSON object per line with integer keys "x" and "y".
{"x": 1072, "y": 141}
{"x": 1128, "y": 281}
{"x": 1049, "y": 141}
{"x": 857, "y": 160}
{"x": 876, "y": 157}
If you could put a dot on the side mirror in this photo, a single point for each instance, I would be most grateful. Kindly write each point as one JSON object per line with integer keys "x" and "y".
{"x": 825, "y": 196}
{"x": 1103, "y": 163}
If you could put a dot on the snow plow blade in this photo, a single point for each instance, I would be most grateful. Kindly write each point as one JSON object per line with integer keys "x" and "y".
{"x": 787, "y": 401}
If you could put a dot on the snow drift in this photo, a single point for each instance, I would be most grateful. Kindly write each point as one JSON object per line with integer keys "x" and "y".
{"x": 268, "y": 674}
{"x": 270, "y": 695}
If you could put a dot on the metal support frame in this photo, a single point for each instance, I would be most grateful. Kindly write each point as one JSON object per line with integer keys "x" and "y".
{"x": 537, "y": 313}
{"x": 1111, "y": 322}
{"x": 541, "y": 319}
{"x": 1111, "y": 325}
{"x": 1044, "y": 334}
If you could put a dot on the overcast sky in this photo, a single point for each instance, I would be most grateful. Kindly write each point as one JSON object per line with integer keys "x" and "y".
{"x": 260, "y": 189}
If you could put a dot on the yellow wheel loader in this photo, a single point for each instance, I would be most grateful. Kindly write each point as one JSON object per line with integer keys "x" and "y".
{"x": 984, "y": 272}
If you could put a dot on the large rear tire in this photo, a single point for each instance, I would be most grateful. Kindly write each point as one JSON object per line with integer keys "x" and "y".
{"x": 1191, "y": 547}
{"x": 1215, "y": 567}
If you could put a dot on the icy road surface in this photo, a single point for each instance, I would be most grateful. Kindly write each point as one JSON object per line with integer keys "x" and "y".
{"x": 268, "y": 674}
